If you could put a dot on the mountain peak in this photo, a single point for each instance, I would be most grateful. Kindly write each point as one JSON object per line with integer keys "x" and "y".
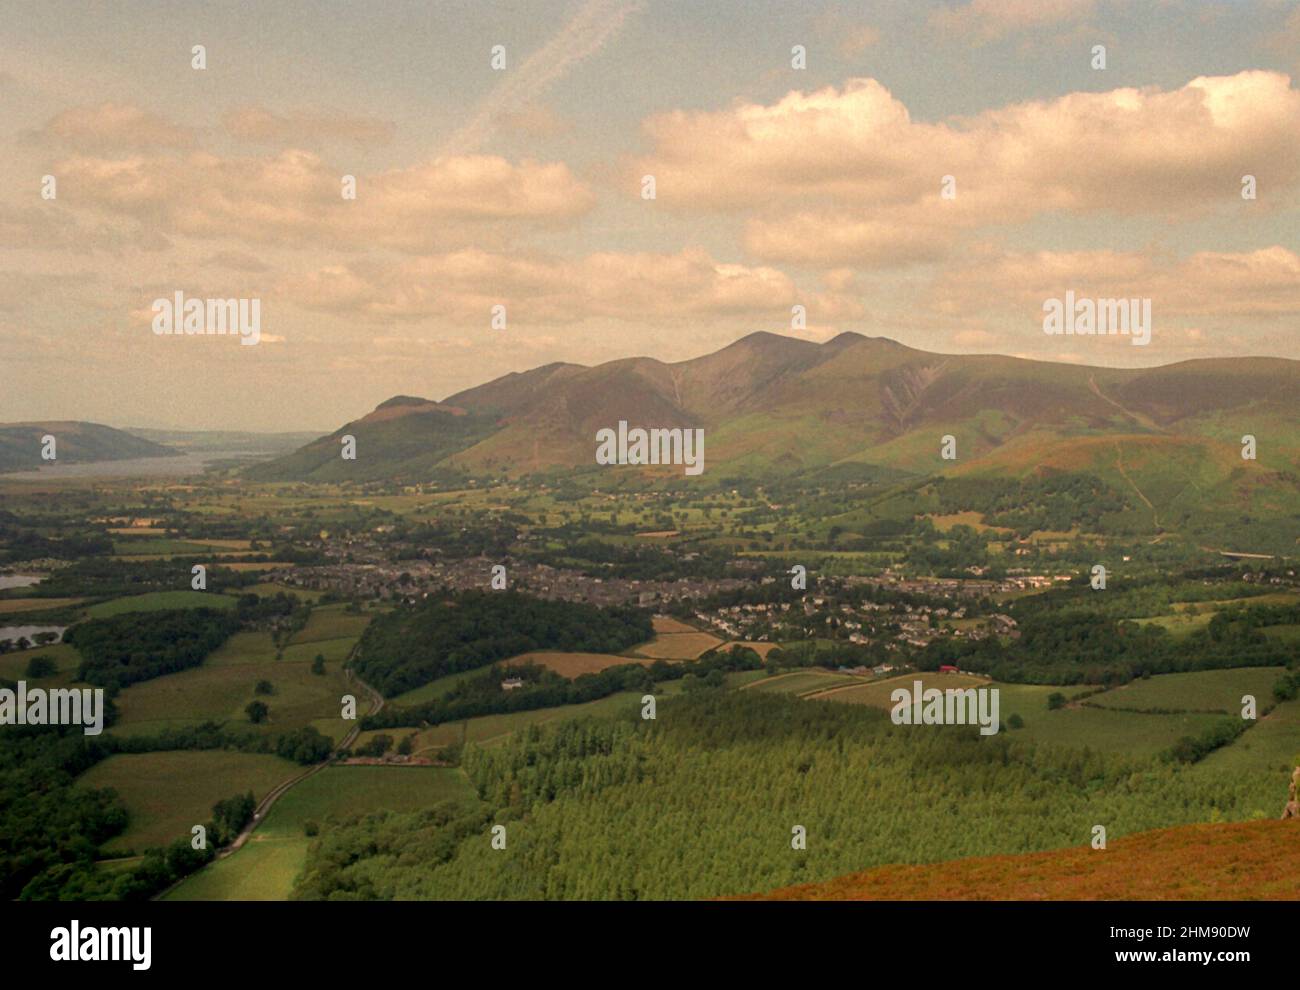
{"x": 846, "y": 338}
{"x": 850, "y": 337}
{"x": 403, "y": 400}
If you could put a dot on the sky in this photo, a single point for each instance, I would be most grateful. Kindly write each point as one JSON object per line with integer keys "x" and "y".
{"x": 928, "y": 172}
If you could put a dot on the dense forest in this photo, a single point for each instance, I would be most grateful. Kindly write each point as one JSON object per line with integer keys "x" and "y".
{"x": 1053, "y": 500}
{"x": 109, "y": 578}
{"x": 122, "y": 650}
{"x": 702, "y": 801}
{"x": 46, "y": 822}
{"x": 418, "y": 643}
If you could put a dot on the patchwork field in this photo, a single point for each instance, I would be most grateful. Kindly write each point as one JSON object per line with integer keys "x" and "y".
{"x": 268, "y": 863}
{"x": 167, "y": 794}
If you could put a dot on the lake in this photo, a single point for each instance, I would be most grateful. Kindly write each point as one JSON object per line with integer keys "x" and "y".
{"x": 132, "y": 467}
{"x": 15, "y": 633}
{"x": 19, "y": 580}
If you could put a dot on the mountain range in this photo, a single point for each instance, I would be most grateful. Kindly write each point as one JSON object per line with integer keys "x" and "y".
{"x": 776, "y": 406}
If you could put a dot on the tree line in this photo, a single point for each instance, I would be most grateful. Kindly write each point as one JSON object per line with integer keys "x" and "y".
{"x": 415, "y": 644}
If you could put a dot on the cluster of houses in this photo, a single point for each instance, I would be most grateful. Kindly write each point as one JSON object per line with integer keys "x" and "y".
{"x": 861, "y": 623}
{"x": 364, "y": 576}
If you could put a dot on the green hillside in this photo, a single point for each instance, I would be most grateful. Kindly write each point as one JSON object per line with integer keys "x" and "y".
{"x": 75, "y": 443}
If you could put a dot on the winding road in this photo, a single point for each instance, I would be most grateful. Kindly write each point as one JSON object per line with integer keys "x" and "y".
{"x": 279, "y": 790}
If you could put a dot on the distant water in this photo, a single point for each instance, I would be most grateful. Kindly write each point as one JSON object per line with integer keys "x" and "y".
{"x": 19, "y": 580}
{"x": 132, "y": 467}
{"x": 15, "y": 633}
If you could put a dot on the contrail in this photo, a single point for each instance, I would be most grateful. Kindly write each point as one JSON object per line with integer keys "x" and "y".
{"x": 586, "y": 34}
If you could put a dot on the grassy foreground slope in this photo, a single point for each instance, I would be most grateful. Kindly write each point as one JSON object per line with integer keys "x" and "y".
{"x": 266, "y": 866}
{"x": 1241, "y": 861}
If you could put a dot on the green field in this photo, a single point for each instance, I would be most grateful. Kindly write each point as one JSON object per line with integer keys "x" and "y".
{"x": 1027, "y": 700}
{"x": 1260, "y": 760}
{"x": 1202, "y": 690}
{"x": 432, "y": 690}
{"x": 877, "y": 692}
{"x": 157, "y": 600}
{"x": 1287, "y": 634}
{"x": 266, "y": 866}
{"x": 1178, "y": 624}
{"x": 220, "y": 693}
{"x": 804, "y": 682}
{"x": 331, "y": 622}
{"x": 13, "y": 666}
{"x": 167, "y": 794}
{"x": 221, "y": 687}
{"x": 1271, "y": 747}
{"x": 1077, "y": 726}
{"x": 224, "y": 684}
{"x": 1109, "y": 731}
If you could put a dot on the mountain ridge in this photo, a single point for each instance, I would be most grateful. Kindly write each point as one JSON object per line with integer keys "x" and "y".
{"x": 777, "y": 405}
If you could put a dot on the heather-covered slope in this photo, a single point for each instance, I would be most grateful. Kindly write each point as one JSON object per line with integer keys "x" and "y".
{"x": 1243, "y": 861}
